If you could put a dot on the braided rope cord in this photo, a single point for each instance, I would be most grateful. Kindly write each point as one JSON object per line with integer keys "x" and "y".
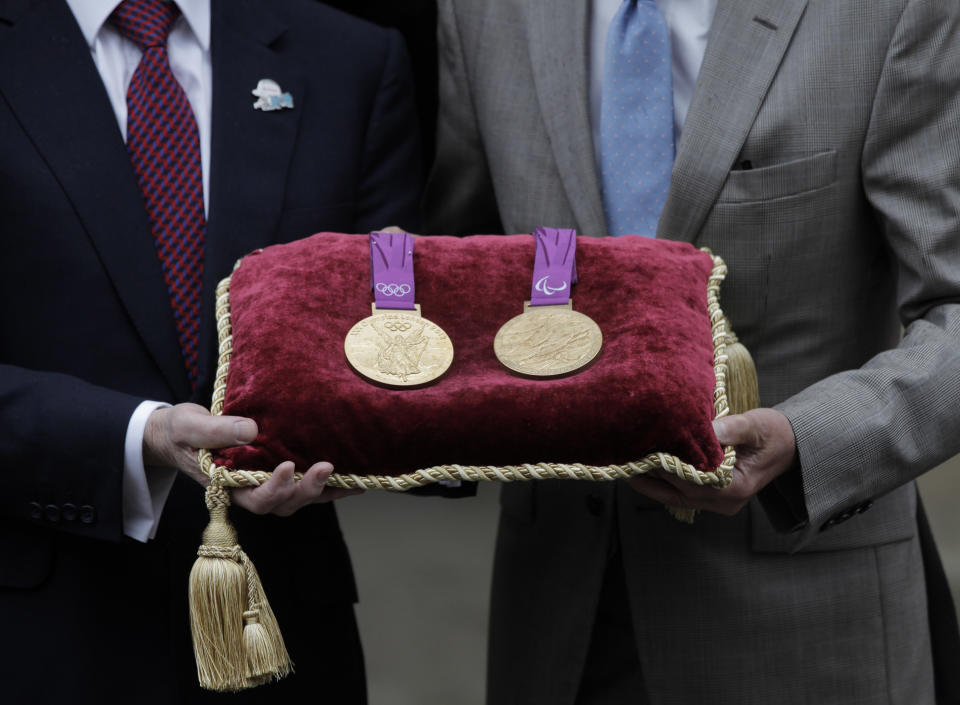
{"x": 720, "y": 477}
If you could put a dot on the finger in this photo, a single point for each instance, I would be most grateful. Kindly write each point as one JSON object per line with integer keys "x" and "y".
{"x": 315, "y": 478}
{"x": 395, "y": 229}
{"x": 194, "y": 426}
{"x": 271, "y": 494}
{"x": 281, "y": 483}
{"x": 718, "y": 501}
{"x": 660, "y": 491}
{"x": 311, "y": 489}
{"x": 736, "y": 430}
{"x": 323, "y": 472}
{"x": 673, "y": 491}
{"x": 283, "y": 495}
{"x": 691, "y": 490}
{"x": 186, "y": 460}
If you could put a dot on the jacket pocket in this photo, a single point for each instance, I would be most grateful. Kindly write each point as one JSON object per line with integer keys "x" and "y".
{"x": 780, "y": 180}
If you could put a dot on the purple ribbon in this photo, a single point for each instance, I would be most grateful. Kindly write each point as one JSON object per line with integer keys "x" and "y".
{"x": 554, "y": 266}
{"x": 391, "y": 270}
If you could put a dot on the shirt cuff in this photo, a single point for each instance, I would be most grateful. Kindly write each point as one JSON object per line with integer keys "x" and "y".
{"x": 144, "y": 494}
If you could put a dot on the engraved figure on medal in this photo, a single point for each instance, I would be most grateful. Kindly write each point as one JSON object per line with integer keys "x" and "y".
{"x": 398, "y": 348}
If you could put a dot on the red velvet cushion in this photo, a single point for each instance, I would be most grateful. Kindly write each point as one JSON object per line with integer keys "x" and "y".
{"x": 650, "y": 390}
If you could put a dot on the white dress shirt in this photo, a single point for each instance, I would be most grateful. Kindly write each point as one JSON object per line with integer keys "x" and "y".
{"x": 116, "y": 58}
{"x": 688, "y": 22}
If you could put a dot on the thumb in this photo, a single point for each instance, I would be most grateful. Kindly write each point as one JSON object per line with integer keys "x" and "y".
{"x": 735, "y": 430}
{"x": 198, "y": 429}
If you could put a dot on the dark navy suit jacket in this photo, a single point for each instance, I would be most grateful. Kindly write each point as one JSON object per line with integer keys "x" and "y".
{"x": 86, "y": 333}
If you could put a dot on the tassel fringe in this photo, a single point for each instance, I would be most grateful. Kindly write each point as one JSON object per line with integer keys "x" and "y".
{"x": 236, "y": 638}
{"x": 743, "y": 392}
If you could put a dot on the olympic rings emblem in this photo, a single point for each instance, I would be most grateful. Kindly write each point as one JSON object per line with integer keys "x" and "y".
{"x": 398, "y": 326}
{"x": 393, "y": 289}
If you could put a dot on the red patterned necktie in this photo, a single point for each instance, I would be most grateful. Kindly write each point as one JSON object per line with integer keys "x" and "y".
{"x": 164, "y": 147}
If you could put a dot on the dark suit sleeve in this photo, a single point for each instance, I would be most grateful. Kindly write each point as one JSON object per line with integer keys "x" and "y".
{"x": 61, "y": 452}
{"x": 390, "y": 178}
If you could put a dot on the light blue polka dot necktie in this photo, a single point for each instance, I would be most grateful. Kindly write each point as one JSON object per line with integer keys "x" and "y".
{"x": 636, "y": 119}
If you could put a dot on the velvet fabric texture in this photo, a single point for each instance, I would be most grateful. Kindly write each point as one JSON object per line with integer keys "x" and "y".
{"x": 651, "y": 389}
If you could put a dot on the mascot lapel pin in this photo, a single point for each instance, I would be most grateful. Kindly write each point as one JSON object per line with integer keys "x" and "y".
{"x": 270, "y": 97}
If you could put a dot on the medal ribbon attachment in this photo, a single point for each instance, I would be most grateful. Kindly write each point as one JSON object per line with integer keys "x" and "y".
{"x": 554, "y": 266}
{"x": 391, "y": 270}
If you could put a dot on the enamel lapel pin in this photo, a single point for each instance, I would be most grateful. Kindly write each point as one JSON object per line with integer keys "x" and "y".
{"x": 270, "y": 97}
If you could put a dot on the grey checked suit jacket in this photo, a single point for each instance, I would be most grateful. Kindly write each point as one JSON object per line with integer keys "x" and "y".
{"x": 844, "y": 233}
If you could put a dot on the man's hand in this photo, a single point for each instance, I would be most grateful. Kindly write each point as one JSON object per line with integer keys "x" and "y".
{"x": 395, "y": 229}
{"x": 766, "y": 447}
{"x": 173, "y": 436}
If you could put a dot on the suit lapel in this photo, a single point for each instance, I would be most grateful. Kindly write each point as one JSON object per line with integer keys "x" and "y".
{"x": 560, "y": 60}
{"x": 747, "y": 41}
{"x": 251, "y": 149}
{"x": 46, "y": 73}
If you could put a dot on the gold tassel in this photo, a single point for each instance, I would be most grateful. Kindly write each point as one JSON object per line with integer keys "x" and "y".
{"x": 743, "y": 392}
{"x": 256, "y": 646}
{"x": 266, "y": 654}
{"x": 236, "y": 638}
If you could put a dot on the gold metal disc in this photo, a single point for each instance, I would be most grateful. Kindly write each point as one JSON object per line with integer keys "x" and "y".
{"x": 548, "y": 341}
{"x": 398, "y": 348}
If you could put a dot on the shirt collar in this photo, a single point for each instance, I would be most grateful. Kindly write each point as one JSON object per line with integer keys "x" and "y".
{"x": 91, "y": 14}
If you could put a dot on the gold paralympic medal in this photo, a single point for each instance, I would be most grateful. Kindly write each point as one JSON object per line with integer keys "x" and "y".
{"x": 398, "y": 348}
{"x": 548, "y": 341}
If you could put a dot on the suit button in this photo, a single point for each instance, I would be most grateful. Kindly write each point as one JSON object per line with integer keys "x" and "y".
{"x": 861, "y": 508}
{"x": 88, "y": 515}
{"x": 595, "y": 505}
{"x": 840, "y": 518}
{"x": 36, "y": 511}
{"x": 52, "y": 513}
{"x": 69, "y": 512}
